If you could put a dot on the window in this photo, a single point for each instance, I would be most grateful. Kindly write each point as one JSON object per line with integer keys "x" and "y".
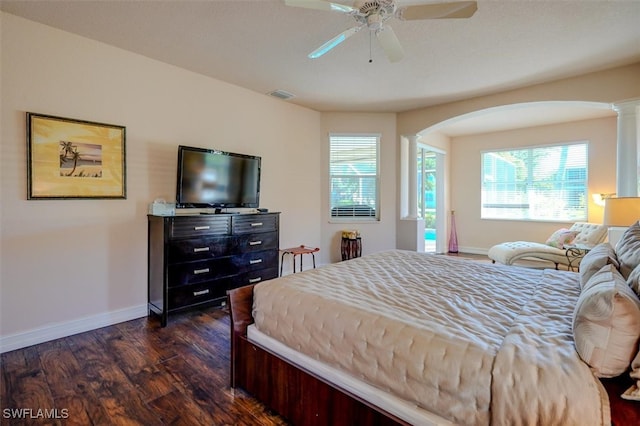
{"x": 427, "y": 186}
{"x": 353, "y": 174}
{"x": 537, "y": 183}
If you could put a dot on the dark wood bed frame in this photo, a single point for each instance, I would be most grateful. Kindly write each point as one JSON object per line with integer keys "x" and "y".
{"x": 306, "y": 399}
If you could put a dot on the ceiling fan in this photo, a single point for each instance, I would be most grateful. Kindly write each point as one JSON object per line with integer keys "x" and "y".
{"x": 374, "y": 14}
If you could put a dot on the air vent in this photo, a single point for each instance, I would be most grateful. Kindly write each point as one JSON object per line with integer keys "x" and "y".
{"x": 281, "y": 94}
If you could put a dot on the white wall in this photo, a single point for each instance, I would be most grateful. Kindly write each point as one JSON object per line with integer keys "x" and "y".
{"x": 478, "y": 235}
{"x": 72, "y": 265}
{"x": 375, "y": 236}
{"x": 607, "y": 86}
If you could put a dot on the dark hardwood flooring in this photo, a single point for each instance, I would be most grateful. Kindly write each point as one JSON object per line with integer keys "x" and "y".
{"x": 132, "y": 373}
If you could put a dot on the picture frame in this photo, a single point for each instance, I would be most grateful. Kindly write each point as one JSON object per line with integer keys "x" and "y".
{"x": 74, "y": 159}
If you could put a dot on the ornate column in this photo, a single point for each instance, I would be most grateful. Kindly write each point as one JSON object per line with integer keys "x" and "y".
{"x": 410, "y": 231}
{"x": 413, "y": 177}
{"x": 628, "y": 160}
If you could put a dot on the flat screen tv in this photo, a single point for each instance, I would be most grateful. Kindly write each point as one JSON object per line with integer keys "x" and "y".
{"x": 211, "y": 178}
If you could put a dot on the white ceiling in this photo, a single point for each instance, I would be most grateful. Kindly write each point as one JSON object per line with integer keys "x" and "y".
{"x": 262, "y": 45}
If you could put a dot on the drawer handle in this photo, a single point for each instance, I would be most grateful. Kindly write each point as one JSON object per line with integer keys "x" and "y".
{"x": 255, "y": 280}
{"x": 254, "y": 261}
{"x": 201, "y": 292}
{"x": 255, "y": 243}
{"x": 256, "y": 224}
{"x": 201, "y": 228}
{"x": 199, "y": 249}
{"x": 201, "y": 271}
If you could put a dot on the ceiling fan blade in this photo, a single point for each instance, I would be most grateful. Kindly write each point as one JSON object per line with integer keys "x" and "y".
{"x": 390, "y": 43}
{"x": 461, "y": 9}
{"x": 320, "y": 5}
{"x": 334, "y": 42}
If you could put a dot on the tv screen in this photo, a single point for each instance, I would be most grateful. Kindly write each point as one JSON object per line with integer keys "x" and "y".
{"x": 211, "y": 178}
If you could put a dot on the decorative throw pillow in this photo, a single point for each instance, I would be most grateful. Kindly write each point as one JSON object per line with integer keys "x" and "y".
{"x": 628, "y": 249}
{"x": 595, "y": 259}
{"x": 561, "y": 237}
{"x": 633, "y": 393}
{"x": 606, "y": 323}
{"x": 634, "y": 283}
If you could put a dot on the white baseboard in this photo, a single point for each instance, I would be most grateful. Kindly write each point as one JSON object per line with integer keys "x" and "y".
{"x": 473, "y": 250}
{"x": 64, "y": 329}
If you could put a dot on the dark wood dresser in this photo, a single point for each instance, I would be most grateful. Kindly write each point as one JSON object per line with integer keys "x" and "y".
{"x": 194, "y": 259}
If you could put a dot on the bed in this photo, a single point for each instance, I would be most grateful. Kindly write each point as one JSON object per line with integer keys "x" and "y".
{"x": 401, "y": 337}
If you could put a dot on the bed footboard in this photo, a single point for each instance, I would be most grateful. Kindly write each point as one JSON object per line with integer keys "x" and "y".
{"x": 297, "y": 395}
{"x": 240, "y": 302}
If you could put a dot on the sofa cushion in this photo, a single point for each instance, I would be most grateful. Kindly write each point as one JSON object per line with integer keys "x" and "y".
{"x": 606, "y": 323}
{"x": 601, "y": 255}
{"x": 628, "y": 249}
{"x": 589, "y": 234}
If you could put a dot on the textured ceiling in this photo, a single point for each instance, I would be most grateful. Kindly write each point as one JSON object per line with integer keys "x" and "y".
{"x": 263, "y": 45}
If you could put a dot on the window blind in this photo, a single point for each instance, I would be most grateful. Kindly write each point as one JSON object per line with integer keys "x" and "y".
{"x": 536, "y": 183}
{"x": 353, "y": 170}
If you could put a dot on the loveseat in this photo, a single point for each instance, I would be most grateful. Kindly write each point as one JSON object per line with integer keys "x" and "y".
{"x": 581, "y": 234}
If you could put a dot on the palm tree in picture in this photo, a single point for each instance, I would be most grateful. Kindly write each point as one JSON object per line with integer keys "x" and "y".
{"x": 66, "y": 150}
{"x": 75, "y": 156}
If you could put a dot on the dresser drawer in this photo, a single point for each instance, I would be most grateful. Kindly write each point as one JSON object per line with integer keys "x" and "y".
{"x": 197, "y": 293}
{"x": 254, "y": 277}
{"x": 193, "y": 226}
{"x": 200, "y": 271}
{"x": 255, "y": 223}
{"x": 257, "y": 260}
{"x": 193, "y": 259}
{"x": 247, "y": 243}
{"x": 195, "y": 248}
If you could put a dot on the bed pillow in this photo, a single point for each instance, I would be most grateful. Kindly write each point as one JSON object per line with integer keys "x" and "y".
{"x": 628, "y": 249}
{"x": 599, "y": 256}
{"x": 606, "y": 323}
{"x": 561, "y": 237}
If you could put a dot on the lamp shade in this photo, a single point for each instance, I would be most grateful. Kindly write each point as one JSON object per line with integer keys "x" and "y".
{"x": 622, "y": 211}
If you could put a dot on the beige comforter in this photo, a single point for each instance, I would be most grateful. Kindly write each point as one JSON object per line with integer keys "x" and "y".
{"x": 475, "y": 343}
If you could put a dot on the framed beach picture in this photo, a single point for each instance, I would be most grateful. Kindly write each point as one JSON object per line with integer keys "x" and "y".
{"x": 74, "y": 159}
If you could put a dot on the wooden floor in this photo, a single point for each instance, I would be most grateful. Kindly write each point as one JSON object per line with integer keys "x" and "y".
{"x": 132, "y": 373}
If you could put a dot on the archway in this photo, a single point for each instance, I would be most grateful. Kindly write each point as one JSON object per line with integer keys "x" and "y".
{"x": 440, "y": 135}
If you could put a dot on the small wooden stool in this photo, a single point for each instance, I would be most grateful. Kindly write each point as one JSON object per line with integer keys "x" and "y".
{"x": 298, "y": 251}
